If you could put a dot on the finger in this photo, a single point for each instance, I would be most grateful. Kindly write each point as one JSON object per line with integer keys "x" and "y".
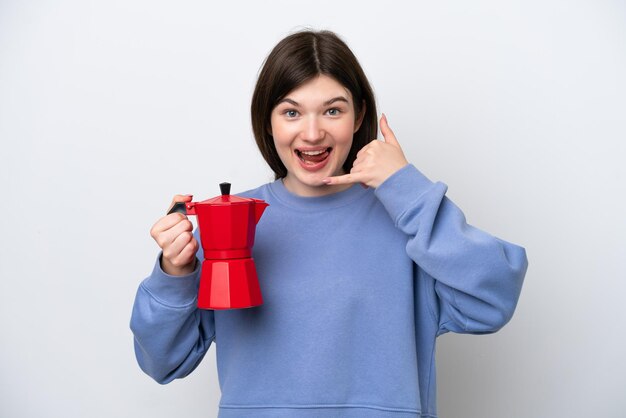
{"x": 175, "y": 252}
{"x": 388, "y": 134}
{"x": 166, "y": 236}
{"x": 190, "y": 249}
{"x": 180, "y": 198}
{"x": 345, "y": 179}
{"x": 356, "y": 169}
{"x": 362, "y": 154}
{"x": 357, "y": 161}
{"x": 166, "y": 222}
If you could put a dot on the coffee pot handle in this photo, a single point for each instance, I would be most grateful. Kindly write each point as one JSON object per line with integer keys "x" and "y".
{"x": 179, "y": 207}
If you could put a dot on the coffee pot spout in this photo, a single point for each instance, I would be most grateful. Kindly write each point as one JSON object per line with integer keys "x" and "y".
{"x": 259, "y": 208}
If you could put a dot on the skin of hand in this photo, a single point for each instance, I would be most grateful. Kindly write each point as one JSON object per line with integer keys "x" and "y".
{"x": 174, "y": 234}
{"x": 375, "y": 162}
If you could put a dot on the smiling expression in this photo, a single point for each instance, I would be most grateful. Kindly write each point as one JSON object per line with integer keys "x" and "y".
{"x": 312, "y": 127}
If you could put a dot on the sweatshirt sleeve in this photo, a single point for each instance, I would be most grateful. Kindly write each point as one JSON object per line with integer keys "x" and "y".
{"x": 476, "y": 278}
{"x": 171, "y": 335}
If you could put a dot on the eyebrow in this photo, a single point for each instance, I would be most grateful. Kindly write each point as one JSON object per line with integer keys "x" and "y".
{"x": 326, "y": 103}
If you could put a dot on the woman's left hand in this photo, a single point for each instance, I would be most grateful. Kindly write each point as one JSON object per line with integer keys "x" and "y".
{"x": 375, "y": 162}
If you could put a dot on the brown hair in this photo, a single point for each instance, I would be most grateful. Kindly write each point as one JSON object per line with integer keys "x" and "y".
{"x": 295, "y": 60}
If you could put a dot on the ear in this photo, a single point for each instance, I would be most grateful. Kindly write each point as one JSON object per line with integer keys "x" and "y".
{"x": 359, "y": 118}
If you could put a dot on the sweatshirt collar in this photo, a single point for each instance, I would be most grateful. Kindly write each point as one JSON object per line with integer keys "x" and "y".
{"x": 330, "y": 201}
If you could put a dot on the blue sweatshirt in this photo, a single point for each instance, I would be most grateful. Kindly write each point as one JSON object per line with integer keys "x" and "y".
{"x": 357, "y": 285}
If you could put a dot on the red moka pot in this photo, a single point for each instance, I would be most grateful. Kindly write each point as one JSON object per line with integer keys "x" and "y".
{"x": 227, "y": 225}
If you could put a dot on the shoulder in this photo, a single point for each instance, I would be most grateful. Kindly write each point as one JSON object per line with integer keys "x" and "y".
{"x": 260, "y": 192}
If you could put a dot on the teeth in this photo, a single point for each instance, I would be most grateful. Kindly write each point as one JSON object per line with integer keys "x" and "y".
{"x": 313, "y": 152}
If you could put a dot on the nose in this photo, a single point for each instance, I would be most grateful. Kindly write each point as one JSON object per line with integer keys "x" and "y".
{"x": 313, "y": 130}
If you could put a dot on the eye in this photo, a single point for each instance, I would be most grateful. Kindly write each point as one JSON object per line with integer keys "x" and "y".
{"x": 290, "y": 113}
{"x": 334, "y": 111}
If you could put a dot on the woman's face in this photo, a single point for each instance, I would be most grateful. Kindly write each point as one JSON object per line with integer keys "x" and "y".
{"x": 312, "y": 129}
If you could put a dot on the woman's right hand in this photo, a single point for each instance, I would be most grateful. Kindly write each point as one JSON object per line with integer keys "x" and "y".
{"x": 174, "y": 234}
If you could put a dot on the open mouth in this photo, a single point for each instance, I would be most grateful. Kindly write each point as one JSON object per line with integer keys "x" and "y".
{"x": 313, "y": 156}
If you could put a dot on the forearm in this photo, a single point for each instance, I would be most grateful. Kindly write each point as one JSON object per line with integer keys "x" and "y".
{"x": 477, "y": 277}
{"x": 170, "y": 334}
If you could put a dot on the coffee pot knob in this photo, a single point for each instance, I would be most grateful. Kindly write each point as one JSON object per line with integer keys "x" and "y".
{"x": 225, "y": 188}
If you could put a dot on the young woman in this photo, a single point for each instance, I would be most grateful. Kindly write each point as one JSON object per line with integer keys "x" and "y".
{"x": 362, "y": 262}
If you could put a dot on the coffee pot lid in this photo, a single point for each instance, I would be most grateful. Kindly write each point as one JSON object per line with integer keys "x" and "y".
{"x": 226, "y": 198}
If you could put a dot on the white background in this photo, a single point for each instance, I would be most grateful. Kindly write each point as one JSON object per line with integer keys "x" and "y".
{"x": 108, "y": 108}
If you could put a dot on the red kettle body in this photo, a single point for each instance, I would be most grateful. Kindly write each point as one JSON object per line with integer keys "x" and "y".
{"x": 227, "y": 225}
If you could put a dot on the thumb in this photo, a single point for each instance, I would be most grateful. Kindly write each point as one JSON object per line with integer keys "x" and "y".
{"x": 388, "y": 134}
{"x": 182, "y": 198}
